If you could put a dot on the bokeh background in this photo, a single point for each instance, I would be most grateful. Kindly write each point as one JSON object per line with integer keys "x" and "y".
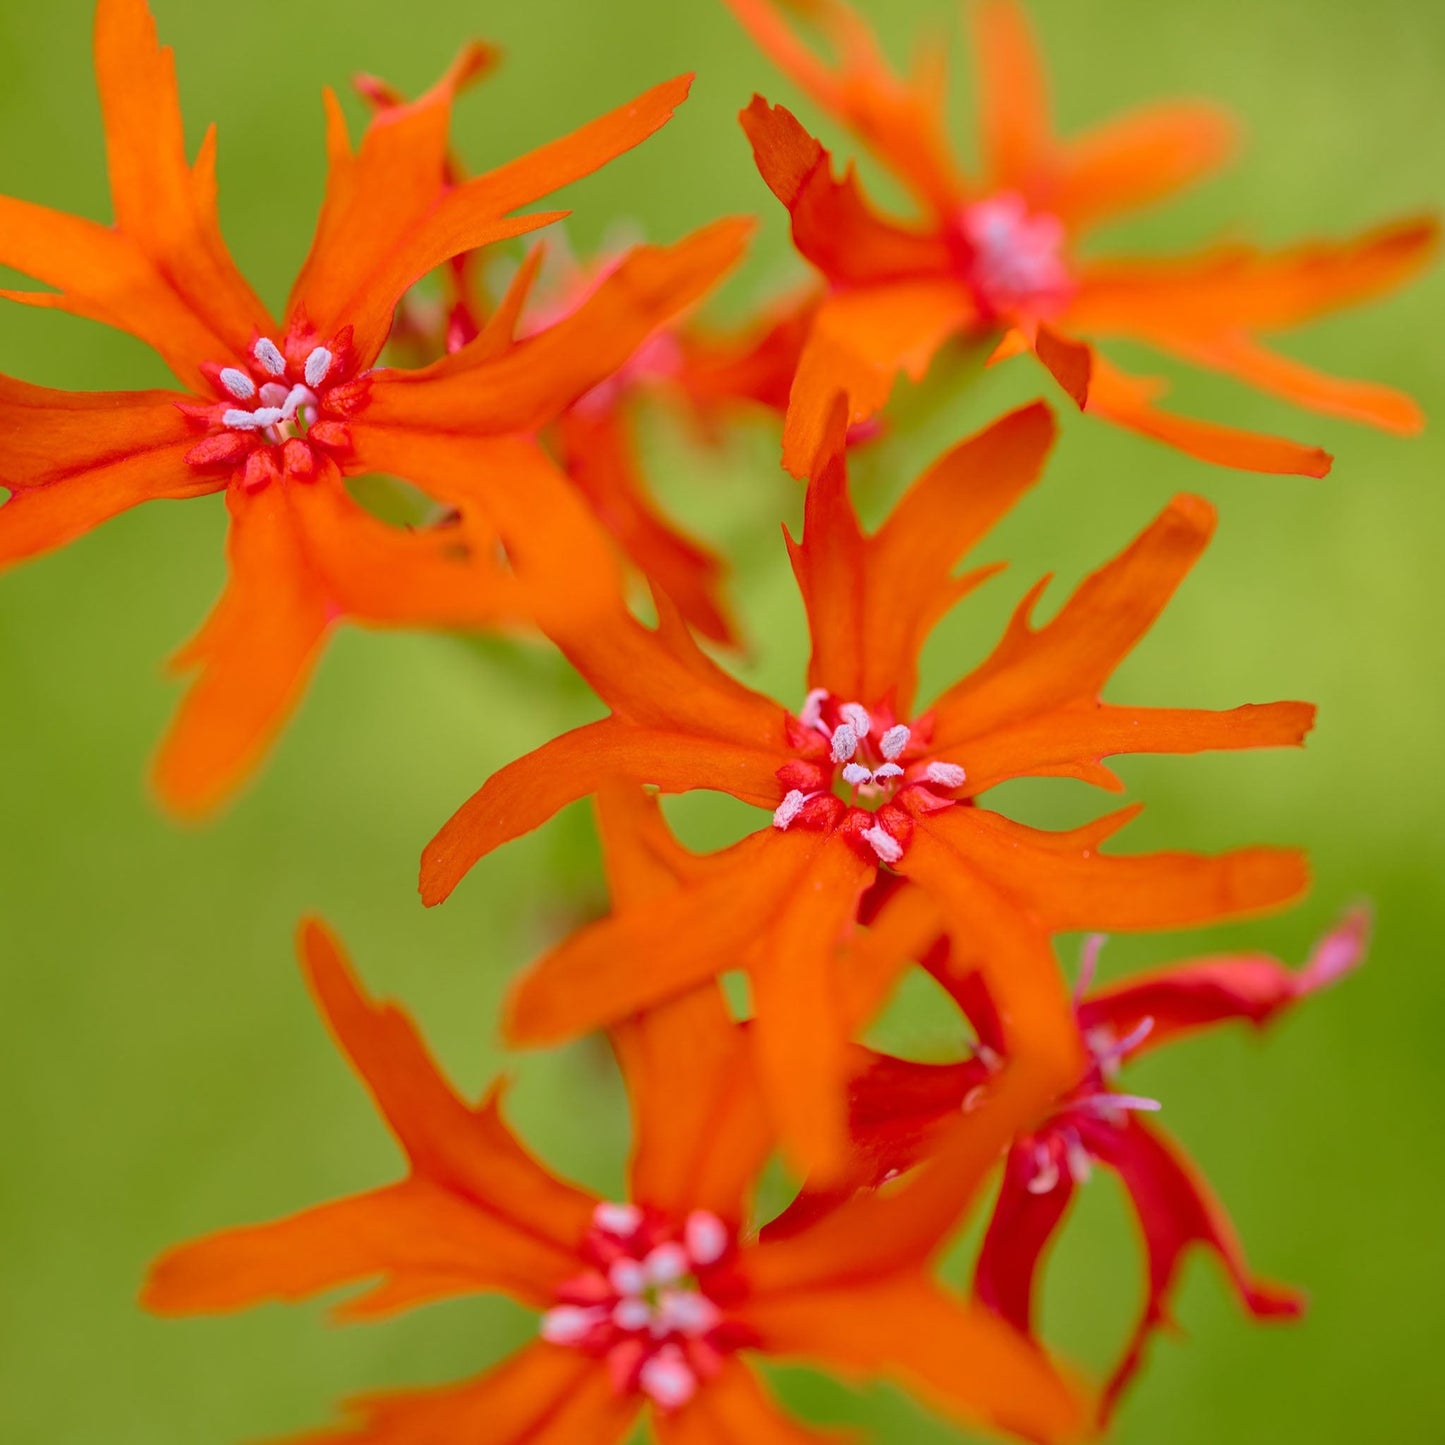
{"x": 162, "y": 1072}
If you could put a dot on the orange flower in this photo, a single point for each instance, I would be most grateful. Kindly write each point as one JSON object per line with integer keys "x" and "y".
{"x": 652, "y": 1305}
{"x": 276, "y": 413}
{"x": 994, "y": 257}
{"x": 860, "y": 779}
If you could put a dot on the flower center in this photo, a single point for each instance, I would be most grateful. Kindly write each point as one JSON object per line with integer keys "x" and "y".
{"x": 863, "y": 761}
{"x": 280, "y": 409}
{"x": 1013, "y": 257}
{"x": 644, "y": 1304}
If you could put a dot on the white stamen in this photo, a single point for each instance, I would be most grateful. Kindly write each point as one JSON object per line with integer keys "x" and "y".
{"x": 687, "y": 1312}
{"x": 274, "y": 393}
{"x": 632, "y": 1314}
{"x": 946, "y": 775}
{"x": 317, "y": 365}
{"x": 268, "y": 415}
{"x": 789, "y": 809}
{"x": 668, "y": 1379}
{"x": 268, "y": 355}
{"x": 569, "y": 1324}
{"x": 296, "y": 398}
{"x": 627, "y": 1276}
{"x": 1077, "y": 1158}
{"x": 885, "y": 771}
{"x": 884, "y": 844}
{"x": 706, "y": 1237}
{"x": 991, "y": 1059}
{"x": 238, "y": 384}
{"x": 1088, "y": 963}
{"x": 1132, "y": 1101}
{"x": 666, "y": 1264}
{"x": 1133, "y": 1038}
{"x": 894, "y": 741}
{"x": 812, "y": 713}
{"x": 241, "y": 420}
{"x": 1046, "y": 1171}
{"x": 621, "y": 1221}
{"x": 973, "y": 1098}
{"x": 845, "y": 742}
{"x": 856, "y": 716}
{"x": 856, "y": 773}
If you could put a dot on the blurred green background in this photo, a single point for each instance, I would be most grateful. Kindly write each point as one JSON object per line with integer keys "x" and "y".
{"x": 162, "y": 1071}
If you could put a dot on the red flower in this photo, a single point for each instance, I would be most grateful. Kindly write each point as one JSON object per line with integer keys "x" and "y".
{"x": 895, "y": 1107}
{"x": 861, "y": 779}
{"x": 652, "y": 1305}
{"x": 994, "y": 257}
{"x": 276, "y": 413}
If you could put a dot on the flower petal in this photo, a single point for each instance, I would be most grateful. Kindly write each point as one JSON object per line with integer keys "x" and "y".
{"x": 834, "y": 226}
{"x": 861, "y": 340}
{"x": 1020, "y": 1229}
{"x": 423, "y": 1241}
{"x": 1144, "y": 156}
{"x": 733, "y": 1408}
{"x": 1175, "y": 1209}
{"x": 1015, "y": 128}
{"x": 1184, "y": 998}
{"x": 960, "y": 1357}
{"x": 72, "y": 460}
{"x": 872, "y": 601}
{"x": 542, "y": 1395}
{"x": 598, "y": 453}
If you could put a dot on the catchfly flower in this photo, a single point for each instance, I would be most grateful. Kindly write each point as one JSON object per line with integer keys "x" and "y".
{"x": 993, "y": 258}
{"x": 277, "y": 412}
{"x": 652, "y": 1305}
{"x": 895, "y": 1105}
{"x": 860, "y": 779}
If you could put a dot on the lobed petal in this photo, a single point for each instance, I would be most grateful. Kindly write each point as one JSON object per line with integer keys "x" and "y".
{"x": 1015, "y": 125}
{"x": 734, "y": 1407}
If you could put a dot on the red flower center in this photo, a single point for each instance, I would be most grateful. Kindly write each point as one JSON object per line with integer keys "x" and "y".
{"x": 281, "y": 410}
{"x": 646, "y": 1303}
{"x": 1013, "y": 257}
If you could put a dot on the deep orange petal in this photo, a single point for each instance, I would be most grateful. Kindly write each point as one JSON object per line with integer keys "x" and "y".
{"x": 1137, "y": 159}
{"x": 872, "y": 601}
{"x": 543, "y": 1395}
{"x": 75, "y": 459}
{"x": 834, "y": 226}
{"x": 1015, "y": 128}
{"x": 637, "y": 958}
{"x": 734, "y": 1409}
{"x": 861, "y": 341}
{"x": 901, "y": 121}
{"x": 963, "y": 1359}
{"x": 254, "y": 655}
{"x": 422, "y": 1241}
{"x": 597, "y": 452}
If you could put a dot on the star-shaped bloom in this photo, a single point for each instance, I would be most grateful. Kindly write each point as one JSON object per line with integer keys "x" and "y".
{"x": 276, "y": 413}
{"x": 896, "y": 1105}
{"x": 861, "y": 779}
{"x": 652, "y": 1306}
{"x": 994, "y": 258}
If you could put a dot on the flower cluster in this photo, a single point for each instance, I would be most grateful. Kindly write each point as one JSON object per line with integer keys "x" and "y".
{"x": 879, "y": 846}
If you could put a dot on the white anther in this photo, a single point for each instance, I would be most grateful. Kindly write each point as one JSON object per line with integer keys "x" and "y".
{"x": 705, "y": 1236}
{"x": 892, "y": 743}
{"x": 296, "y": 398}
{"x": 789, "y": 809}
{"x": 1046, "y": 1172}
{"x": 242, "y": 420}
{"x": 1131, "y": 1101}
{"x": 274, "y": 393}
{"x": 856, "y": 716}
{"x": 946, "y": 775}
{"x": 884, "y": 844}
{"x": 812, "y": 713}
{"x": 569, "y": 1324}
{"x": 668, "y": 1379}
{"x": 268, "y": 415}
{"x": 973, "y": 1098}
{"x": 268, "y": 356}
{"x": 1077, "y": 1158}
{"x": 1131, "y": 1040}
{"x": 632, "y": 1314}
{"x": 845, "y": 742}
{"x": 666, "y": 1264}
{"x": 621, "y": 1221}
{"x": 627, "y": 1276}
{"x": 1088, "y": 963}
{"x": 856, "y": 773}
{"x": 885, "y": 771}
{"x": 687, "y": 1312}
{"x": 238, "y": 384}
{"x": 317, "y": 365}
